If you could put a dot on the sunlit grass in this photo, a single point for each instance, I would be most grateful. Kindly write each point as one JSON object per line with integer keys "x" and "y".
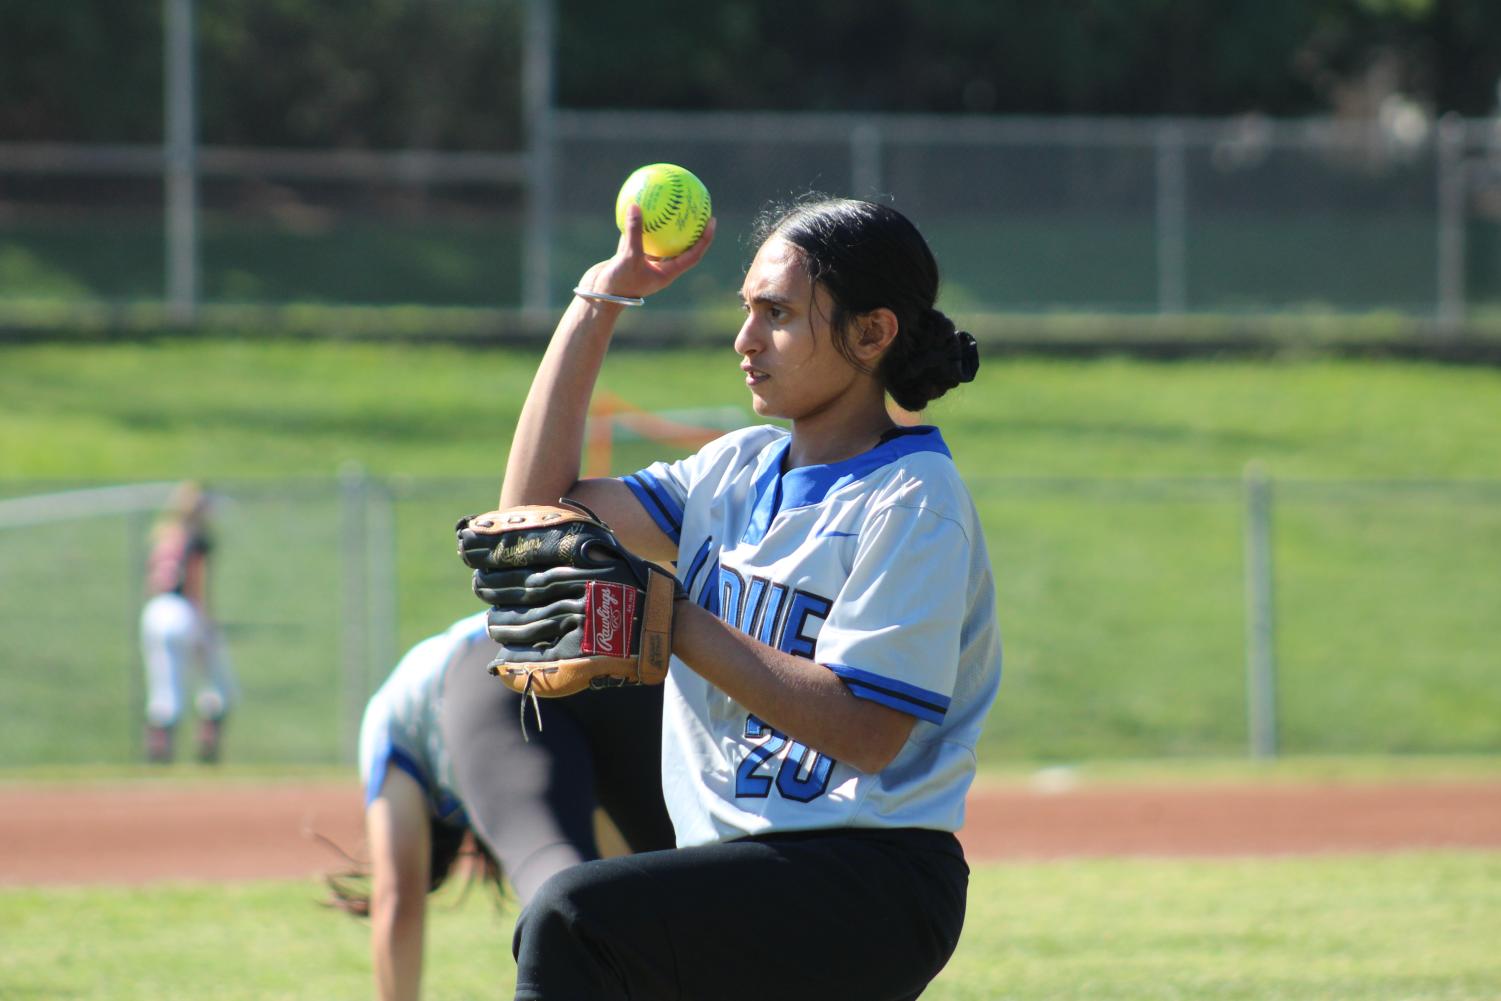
{"x": 1358, "y": 928}
{"x": 1110, "y": 491}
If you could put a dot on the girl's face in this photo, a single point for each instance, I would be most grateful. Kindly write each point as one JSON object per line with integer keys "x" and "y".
{"x": 791, "y": 365}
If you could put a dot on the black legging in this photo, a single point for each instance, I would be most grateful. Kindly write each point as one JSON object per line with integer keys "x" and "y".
{"x": 867, "y": 915}
{"x": 532, "y": 799}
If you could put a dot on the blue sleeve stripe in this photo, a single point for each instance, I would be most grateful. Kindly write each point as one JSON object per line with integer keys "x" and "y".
{"x": 388, "y": 756}
{"x": 377, "y": 777}
{"x": 910, "y": 699}
{"x": 663, "y": 510}
{"x": 697, "y": 565}
{"x": 901, "y": 688}
{"x": 922, "y": 712}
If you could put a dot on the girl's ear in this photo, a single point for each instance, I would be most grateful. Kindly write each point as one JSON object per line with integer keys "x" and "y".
{"x": 874, "y": 333}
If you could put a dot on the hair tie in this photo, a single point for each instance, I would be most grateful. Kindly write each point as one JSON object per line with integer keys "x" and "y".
{"x": 966, "y": 355}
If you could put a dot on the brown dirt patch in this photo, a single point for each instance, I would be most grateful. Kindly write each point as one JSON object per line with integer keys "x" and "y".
{"x": 1220, "y": 820}
{"x": 151, "y": 832}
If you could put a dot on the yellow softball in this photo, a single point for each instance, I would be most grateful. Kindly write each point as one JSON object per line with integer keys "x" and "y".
{"x": 675, "y": 207}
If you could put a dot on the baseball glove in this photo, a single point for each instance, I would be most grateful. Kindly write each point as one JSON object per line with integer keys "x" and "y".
{"x": 570, "y": 607}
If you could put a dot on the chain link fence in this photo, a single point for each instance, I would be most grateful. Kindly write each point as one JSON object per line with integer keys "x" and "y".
{"x": 1142, "y": 618}
{"x": 1145, "y": 218}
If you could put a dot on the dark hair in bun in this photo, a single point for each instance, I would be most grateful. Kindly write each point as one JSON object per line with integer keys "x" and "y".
{"x": 869, "y": 256}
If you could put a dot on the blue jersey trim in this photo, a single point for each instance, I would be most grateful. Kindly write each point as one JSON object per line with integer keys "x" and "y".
{"x": 449, "y": 809}
{"x": 910, "y": 699}
{"x": 768, "y": 492}
{"x": 777, "y": 491}
{"x": 697, "y": 564}
{"x": 662, "y": 507}
{"x": 387, "y": 756}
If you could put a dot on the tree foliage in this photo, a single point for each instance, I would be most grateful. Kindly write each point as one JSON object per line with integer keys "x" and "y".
{"x": 445, "y": 73}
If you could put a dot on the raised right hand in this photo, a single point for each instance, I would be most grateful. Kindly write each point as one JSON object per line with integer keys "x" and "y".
{"x": 632, "y": 272}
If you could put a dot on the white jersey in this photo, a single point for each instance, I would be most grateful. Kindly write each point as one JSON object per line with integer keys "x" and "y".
{"x": 400, "y": 727}
{"x": 874, "y": 567}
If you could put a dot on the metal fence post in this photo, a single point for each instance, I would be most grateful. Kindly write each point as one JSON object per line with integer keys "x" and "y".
{"x": 537, "y": 85}
{"x": 137, "y": 526}
{"x": 1172, "y": 257}
{"x": 181, "y": 163}
{"x": 381, "y": 586}
{"x": 1450, "y": 258}
{"x": 353, "y": 547}
{"x": 865, "y": 160}
{"x": 1261, "y": 665}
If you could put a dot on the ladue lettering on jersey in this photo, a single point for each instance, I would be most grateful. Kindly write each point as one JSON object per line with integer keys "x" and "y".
{"x": 779, "y": 616}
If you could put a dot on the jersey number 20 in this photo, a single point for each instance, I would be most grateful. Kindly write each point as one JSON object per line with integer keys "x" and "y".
{"x": 803, "y": 774}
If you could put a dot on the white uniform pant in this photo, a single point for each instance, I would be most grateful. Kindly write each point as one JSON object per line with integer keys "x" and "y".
{"x": 176, "y": 640}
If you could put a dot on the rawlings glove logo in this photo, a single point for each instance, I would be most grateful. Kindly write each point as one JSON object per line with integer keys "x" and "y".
{"x": 609, "y": 619}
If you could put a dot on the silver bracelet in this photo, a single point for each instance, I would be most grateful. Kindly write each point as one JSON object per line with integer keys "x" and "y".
{"x": 624, "y": 300}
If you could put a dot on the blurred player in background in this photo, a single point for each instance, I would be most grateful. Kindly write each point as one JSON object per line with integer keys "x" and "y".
{"x": 443, "y": 752}
{"x": 180, "y": 641}
{"x": 835, "y": 654}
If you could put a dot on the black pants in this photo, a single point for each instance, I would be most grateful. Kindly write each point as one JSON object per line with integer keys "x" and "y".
{"x": 532, "y": 800}
{"x": 844, "y": 915}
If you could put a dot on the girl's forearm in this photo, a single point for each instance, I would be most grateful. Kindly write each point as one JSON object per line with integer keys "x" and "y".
{"x": 396, "y": 931}
{"x": 548, "y": 444}
{"x": 798, "y": 696}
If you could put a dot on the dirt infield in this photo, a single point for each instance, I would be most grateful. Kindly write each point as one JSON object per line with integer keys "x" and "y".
{"x": 149, "y": 832}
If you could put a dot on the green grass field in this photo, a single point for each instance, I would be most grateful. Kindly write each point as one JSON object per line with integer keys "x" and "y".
{"x": 1362, "y": 928}
{"x": 1110, "y": 496}
{"x": 1109, "y": 489}
{"x": 247, "y": 408}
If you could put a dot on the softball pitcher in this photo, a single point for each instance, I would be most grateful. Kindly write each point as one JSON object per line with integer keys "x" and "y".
{"x": 834, "y": 639}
